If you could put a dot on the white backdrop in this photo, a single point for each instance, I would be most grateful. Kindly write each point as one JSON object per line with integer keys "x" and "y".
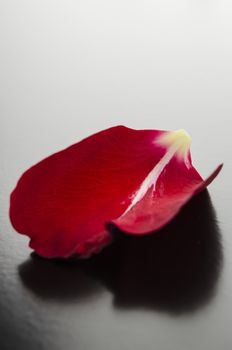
{"x": 72, "y": 67}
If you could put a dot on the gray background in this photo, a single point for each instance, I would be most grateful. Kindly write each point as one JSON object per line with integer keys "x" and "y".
{"x": 71, "y": 68}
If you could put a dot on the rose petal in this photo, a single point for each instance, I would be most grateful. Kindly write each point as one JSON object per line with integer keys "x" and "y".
{"x": 136, "y": 179}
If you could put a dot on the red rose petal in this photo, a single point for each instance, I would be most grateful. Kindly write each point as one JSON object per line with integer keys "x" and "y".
{"x": 64, "y": 202}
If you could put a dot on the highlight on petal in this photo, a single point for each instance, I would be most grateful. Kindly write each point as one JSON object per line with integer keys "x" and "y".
{"x": 137, "y": 180}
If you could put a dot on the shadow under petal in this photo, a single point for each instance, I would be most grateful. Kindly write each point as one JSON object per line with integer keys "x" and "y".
{"x": 57, "y": 279}
{"x": 174, "y": 270}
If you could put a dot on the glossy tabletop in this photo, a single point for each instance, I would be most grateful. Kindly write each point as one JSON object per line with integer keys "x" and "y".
{"x": 69, "y": 69}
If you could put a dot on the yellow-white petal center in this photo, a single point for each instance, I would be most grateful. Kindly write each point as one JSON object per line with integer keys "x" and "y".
{"x": 179, "y": 139}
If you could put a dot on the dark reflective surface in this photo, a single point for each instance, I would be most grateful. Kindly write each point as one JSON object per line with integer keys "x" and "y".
{"x": 175, "y": 270}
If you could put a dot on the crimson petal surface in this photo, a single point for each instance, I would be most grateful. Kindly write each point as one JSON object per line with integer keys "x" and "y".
{"x": 135, "y": 179}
